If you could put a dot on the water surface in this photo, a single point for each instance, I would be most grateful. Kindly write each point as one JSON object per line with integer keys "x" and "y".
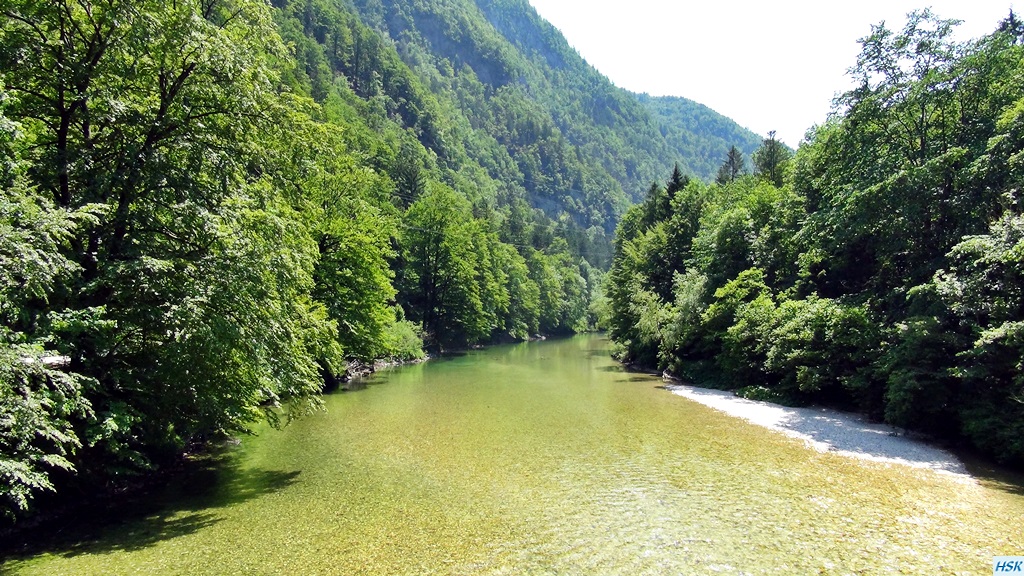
{"x": 546, "y": 458}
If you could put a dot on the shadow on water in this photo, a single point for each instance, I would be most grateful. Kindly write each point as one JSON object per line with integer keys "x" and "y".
{"x": 354, "y": 385}
{"x": 187, "y": 503}
{"x": 449, "y": 356}
{"x": 992, "y": 475}
{"x": 380, "y": 374}
{"x": 639, "y": 378}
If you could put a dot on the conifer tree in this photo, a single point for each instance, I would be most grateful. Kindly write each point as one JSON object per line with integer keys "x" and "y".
{"x": 676, "y": 182}
{"x": 733, "y": 167}
{"x": 770, "y": 159}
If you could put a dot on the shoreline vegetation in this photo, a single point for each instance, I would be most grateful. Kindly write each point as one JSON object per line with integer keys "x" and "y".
{"x": 879, "y": 268}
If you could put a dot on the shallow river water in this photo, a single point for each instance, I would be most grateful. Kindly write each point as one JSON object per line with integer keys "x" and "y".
{"x": 545, "y": 458}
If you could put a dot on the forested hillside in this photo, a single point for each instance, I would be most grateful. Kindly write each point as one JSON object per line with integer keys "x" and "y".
{"x": 878, "y": 269}
{"x": 698, "y": 133}
{"x": 580, "y": 143}
{"x": 210, "y": 207}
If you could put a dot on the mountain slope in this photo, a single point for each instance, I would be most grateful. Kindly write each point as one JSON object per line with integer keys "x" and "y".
{"x": 684, "y": 131}
{"x": 697, "y": 132}
{"x": 491, "y": 85}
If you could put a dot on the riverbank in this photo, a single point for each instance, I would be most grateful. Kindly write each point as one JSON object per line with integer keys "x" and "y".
{"x": 828, "y": 430}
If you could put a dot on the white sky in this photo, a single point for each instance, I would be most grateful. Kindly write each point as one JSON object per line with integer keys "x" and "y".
{"x": 768, "y": 65}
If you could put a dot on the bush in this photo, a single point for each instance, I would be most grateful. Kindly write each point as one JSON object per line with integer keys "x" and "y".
{"x": 822, "y": 350}
{"x": 921, "y": 389}
{"x": 404, "y": 340}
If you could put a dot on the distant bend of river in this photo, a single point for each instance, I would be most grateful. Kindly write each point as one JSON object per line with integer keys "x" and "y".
{"x": 544, "y": 458}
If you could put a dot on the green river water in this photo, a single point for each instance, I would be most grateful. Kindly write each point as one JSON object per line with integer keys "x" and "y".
{"x": 544, "y": 458}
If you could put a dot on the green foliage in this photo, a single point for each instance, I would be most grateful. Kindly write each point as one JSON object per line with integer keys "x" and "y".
{"x": 765, "y": 394}
{"x": 344, "y": 205}
{"x": 732, "y": 168}
{"x": 202, "y": 276}
{"x": 878, "y": 268}
{"x": 992, "y": 417}
{"x": 983, "y": 292}
{"x": 40, "y": 402}
{"x": 822, "y": 349}
{"x": 564, "y": 293}
{"x": 162, "y": 233}
{"x": 748, "y": 224}
{"x": 921, "y": 391}
{"x": 771, "y": 160}
{"x": 685, "y": 333}
{"x": 439, "y": 275}
{"x": 697, "y": 133}
{"x": 403, "y": 340}
{"x": 738, "y": 325}
{"x": 523, "y": 315}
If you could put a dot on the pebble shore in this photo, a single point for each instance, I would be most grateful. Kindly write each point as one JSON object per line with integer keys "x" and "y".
{"x": 827, "y": 430}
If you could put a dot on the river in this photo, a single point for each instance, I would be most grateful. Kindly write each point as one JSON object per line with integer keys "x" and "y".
{"x": 544, "y": 458}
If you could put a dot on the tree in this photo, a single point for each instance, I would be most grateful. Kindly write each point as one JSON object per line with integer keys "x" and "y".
{"x": 408, "y": 174}
{"x": 676, "y": 182}
{"x": 42, "y": 402}
{"x": 732, "y": 168}
{"x": 438, "y": 282}
{"x": 771, "y": 160}
{"x": 1013, "y": 26}
{"x": 523, "y": 316}
{"x": 903, "y": 94}
{"x": 345, "y": 207}
{"x": 983, "y": 292}
{"x": 189, "y": 302}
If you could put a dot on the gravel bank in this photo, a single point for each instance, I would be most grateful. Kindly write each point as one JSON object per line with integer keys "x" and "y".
{"x": 828, "y": 430}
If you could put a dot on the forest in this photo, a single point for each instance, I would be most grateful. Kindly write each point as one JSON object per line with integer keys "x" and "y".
{"x": 211, "y": 208}
{"x": 878, "y": 268}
